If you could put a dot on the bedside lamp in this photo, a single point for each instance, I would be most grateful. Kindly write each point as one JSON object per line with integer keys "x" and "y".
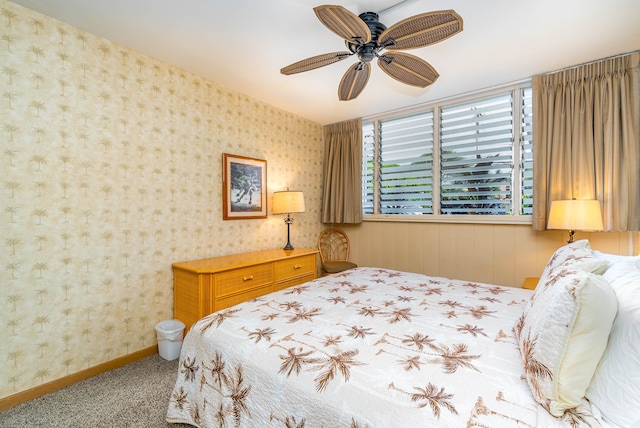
{"x": 575, "y": 214}
{"x": 287, "y": 202}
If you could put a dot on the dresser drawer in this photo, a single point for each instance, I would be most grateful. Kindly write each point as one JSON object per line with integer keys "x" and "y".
{"x": 280, "y": 285}
{"x": 290, "y": 268}
{"x": 239, "y": 280}
{"x": 234, "y": 299}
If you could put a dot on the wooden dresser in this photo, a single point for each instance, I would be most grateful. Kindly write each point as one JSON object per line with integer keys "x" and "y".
{"x": 201, "y": 287}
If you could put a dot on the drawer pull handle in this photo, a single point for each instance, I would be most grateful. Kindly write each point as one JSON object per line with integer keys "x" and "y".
{"x": 247, "y": 278}
{"x": 297, "y": 266}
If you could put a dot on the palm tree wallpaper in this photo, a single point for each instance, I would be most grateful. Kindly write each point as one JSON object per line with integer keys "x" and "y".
{"x": 111, "y": 171}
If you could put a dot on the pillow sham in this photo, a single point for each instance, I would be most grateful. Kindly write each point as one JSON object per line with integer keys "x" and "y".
{"x": 615, "y": 388}
{"x": 562, "y": 335}
{"x": 577, "y": 254}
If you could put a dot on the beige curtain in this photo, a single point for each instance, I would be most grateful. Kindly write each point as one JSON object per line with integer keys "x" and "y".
{"x": 342, "y": 184}
{"x": 586, "y": 131}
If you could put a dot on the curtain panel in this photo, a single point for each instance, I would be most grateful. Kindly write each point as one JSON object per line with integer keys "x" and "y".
{"x": 342, "y": 168}
{"x": 586, "y": 140}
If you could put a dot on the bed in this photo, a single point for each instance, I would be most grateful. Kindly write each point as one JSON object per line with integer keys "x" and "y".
{"x": 374, "y": 347}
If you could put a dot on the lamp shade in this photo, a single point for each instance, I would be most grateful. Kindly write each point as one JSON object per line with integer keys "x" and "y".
{"x": 289, "y": 201}
{"x": 575, "y": 214}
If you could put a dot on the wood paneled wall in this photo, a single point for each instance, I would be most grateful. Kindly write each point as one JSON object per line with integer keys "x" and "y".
{"x": 495, "y": 254}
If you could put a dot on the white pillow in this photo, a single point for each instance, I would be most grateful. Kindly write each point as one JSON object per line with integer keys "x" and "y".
{"x": 615, "y": 388}
{"x": 614, "y": 258}
{"x": 562, "y": 335}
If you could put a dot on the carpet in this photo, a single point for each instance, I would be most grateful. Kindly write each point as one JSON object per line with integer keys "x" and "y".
{"x": 132, "y": 396}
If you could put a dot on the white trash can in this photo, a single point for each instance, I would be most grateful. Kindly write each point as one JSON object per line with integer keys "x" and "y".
{"x": 170, "y": 338}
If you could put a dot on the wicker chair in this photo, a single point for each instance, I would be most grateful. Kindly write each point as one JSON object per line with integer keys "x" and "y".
{"x": 333, "y": 245}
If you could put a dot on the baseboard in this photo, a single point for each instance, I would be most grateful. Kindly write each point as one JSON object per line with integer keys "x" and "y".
{"x": 38, "y": 391}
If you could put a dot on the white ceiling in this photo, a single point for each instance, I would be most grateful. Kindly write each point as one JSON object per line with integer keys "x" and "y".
{"x": 243, "y": 44}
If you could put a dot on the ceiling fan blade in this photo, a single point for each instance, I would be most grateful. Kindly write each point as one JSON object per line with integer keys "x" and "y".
{"x": 408, "y": 69}
{"x": 422, "y": 30}
{"x": 315, "y": 62}
{"x": 354, "y": 81}
{"x": 344, "y": 23}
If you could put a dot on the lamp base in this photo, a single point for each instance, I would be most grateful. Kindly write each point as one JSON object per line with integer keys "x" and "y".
{"x": 571, "y": 232}
{"x": 288, "y": 221}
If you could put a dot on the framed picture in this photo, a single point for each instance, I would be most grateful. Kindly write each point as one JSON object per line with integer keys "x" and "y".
{"x": 244, "y": 187}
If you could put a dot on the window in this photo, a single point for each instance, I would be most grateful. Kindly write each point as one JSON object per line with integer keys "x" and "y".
{"x": 526, "y": 152}
{"x": 405, "y": 165}
{"x": 471, "y": 158}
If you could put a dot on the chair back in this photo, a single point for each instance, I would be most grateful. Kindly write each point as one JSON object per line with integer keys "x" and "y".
{"x": 333, "y": 245}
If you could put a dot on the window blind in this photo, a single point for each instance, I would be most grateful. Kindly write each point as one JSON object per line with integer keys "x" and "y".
{"x": 406, "y": 164}
{"x": 368, "y": 167}
{"x": 476, "y": 157}
{"x": 472, "y": 158}
{"x": 526, "y": 152}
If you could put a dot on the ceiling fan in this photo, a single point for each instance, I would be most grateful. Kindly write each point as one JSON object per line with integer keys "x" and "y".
{"x": 367, "y": 38}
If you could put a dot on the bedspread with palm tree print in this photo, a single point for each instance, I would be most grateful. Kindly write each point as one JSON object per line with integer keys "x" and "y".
{"x": 364, "y": 348}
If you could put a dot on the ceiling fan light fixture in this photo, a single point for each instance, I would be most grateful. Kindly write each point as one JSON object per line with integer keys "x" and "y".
{"x": 366, "y": 37}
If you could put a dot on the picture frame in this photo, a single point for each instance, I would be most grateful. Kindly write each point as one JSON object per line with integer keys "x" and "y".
{"x": 244, "y": 187}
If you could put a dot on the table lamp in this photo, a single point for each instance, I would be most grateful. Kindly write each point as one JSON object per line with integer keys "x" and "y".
{"x": 575, "y": 214}
{"x": 287, "y": 202}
